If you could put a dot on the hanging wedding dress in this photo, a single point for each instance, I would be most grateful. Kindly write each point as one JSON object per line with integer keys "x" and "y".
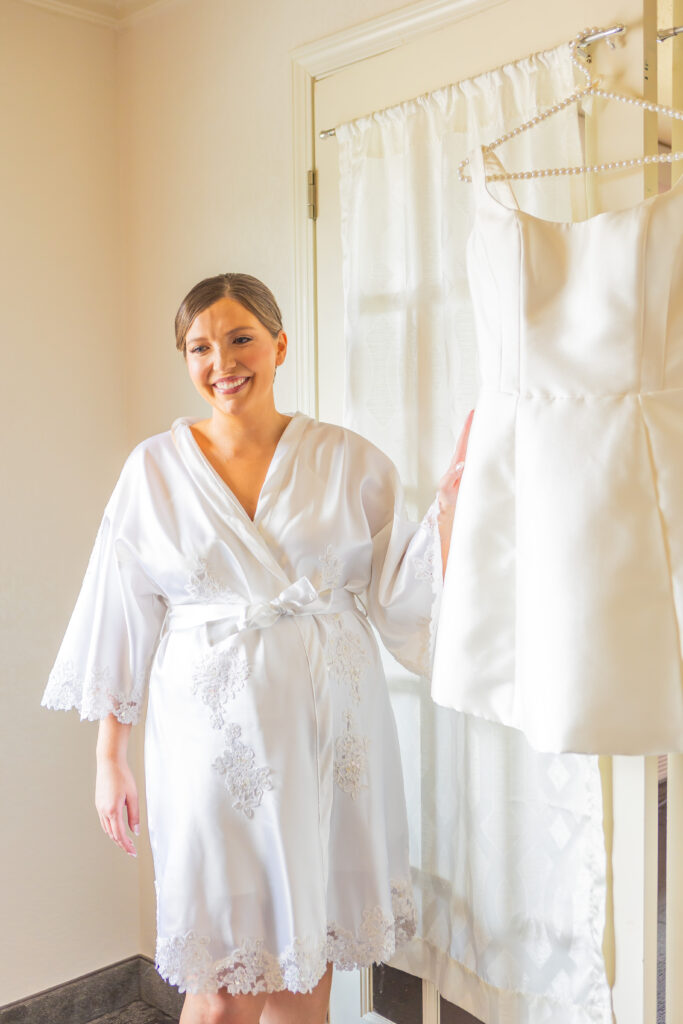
{"x": 563, "y": 598}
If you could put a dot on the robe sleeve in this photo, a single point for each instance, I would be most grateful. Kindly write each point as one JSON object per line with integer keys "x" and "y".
{"x": 103, "y": 662}
{"x": 403, "y": 595}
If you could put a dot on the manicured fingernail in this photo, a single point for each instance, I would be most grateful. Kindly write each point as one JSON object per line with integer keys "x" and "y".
{"x": 132, "y": 853}
{"x": 136, "y": 829}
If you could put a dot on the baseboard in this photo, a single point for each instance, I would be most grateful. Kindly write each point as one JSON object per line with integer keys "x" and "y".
{"x": 157, "y": 992}
{"x": 81, "y": 1000}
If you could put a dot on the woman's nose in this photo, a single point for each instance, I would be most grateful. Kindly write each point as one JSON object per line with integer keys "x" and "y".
{"x": 224, "y": 362}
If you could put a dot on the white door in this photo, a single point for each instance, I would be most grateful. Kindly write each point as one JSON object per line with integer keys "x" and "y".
{"x": 492, "y": 33}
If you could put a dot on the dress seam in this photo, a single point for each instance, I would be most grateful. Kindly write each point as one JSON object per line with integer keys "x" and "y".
{"x": 664, "y": 532}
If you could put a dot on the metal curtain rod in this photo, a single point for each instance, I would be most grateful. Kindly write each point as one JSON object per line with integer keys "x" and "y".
{"x": 669, "y": 33}
{"x": 599, "y": 33}
{"x": 586, "y": 39}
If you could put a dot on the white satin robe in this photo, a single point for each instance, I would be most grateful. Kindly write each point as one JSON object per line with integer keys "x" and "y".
{"x": 275, "y": 800}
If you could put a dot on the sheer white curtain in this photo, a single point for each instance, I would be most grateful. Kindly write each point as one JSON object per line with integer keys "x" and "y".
{"x": 508, "y": 849}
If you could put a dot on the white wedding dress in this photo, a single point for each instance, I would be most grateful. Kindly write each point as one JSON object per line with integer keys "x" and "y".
{"x": 562, "y": 611}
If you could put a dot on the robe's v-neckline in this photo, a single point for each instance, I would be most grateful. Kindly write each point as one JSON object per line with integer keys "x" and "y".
{"x": 286, "y": 442}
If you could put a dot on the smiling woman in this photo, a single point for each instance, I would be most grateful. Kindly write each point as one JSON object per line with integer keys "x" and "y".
{"x": 229, "y": 329}
{"x": 239, "y": 566}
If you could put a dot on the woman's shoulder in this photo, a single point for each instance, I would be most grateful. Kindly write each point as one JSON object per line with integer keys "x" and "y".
{"x": 144, "y": 475}
{"x": 144, "y": 466}
{"x": 357, "y": 450}
{"x": 337, "y": 434}
{"x": 150, "y": 450}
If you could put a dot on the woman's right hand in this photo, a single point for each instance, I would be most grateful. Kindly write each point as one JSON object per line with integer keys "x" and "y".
{"x": 115, "y": 789}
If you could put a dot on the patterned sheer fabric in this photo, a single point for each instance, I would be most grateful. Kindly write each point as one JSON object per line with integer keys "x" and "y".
{"x": 507, "y": 846}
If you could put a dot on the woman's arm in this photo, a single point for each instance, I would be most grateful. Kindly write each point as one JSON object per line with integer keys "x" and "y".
{"x": 115, "y": 785}
{"x": 449, "y": 485}
{"x": 112, "y": 739}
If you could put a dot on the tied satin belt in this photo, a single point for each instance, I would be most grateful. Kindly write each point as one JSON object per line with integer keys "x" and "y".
{"x": 225, "y": 618}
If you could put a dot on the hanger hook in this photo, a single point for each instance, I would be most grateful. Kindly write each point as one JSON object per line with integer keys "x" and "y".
{"x": 582, "y": 40}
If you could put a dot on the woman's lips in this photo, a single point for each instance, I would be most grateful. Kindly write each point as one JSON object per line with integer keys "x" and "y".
{"x": 232, "y": 386}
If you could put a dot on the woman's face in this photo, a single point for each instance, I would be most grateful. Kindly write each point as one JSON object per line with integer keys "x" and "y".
{"x": 231, "y": 357}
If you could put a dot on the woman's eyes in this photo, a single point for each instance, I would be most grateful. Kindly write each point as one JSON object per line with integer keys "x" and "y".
{"x": 240, "y": 340}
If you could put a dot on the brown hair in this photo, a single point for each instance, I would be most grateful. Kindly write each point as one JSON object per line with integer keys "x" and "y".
{"x": 245, "y": 289}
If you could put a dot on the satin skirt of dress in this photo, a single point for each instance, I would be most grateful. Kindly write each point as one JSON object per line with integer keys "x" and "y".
{"x": 562, "y": 610}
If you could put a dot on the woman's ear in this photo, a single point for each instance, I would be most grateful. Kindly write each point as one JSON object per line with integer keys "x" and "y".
{"x": 281, "y": 348}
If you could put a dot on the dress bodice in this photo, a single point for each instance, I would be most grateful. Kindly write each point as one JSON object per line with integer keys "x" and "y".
{"x": 590, "y": 307}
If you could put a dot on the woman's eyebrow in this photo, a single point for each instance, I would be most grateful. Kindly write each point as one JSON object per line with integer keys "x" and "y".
{"x": 232, "y": 331}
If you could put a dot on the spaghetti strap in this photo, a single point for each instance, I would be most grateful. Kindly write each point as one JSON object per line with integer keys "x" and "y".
{"x": 480, "y": 163}
{"x": 476, "y": 162}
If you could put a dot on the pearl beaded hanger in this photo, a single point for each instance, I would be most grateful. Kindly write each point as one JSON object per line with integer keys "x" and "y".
{"x": 593, "y": 88}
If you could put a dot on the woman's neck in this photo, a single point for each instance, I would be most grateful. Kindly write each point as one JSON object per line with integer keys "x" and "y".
{"x": 242, "y": 434}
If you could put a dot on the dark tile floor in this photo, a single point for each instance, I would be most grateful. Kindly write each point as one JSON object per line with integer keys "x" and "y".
{"x": 138, "y": 1012}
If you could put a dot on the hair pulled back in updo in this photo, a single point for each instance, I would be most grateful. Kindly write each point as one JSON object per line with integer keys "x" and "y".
{"x": 251, "y": 293}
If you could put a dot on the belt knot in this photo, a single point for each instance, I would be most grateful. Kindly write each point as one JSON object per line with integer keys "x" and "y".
{"x": 224, "y": 619}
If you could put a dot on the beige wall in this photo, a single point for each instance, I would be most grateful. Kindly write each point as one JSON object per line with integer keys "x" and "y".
{"x": 134, "y": 163}
{"x": 206, "y": 144}
{"x": 69, "y": 899}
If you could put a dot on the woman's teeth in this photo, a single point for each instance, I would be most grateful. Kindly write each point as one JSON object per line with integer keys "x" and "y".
{"x": 231, "y": 385}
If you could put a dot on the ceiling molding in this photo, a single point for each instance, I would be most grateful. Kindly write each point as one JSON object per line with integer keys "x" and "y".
{"x": 114, "y": 14}
{"x": 326, "y": 56}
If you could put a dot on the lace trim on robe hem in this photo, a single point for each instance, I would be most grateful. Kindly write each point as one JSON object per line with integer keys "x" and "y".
{"x": 185, "y": 961}
{"x": 94, "y": 697}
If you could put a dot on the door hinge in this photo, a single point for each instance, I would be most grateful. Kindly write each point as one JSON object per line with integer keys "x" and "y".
{"x": 312, "y": 200}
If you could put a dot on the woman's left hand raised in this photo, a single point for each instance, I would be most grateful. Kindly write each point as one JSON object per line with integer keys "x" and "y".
{"x": 449, "y": 485}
